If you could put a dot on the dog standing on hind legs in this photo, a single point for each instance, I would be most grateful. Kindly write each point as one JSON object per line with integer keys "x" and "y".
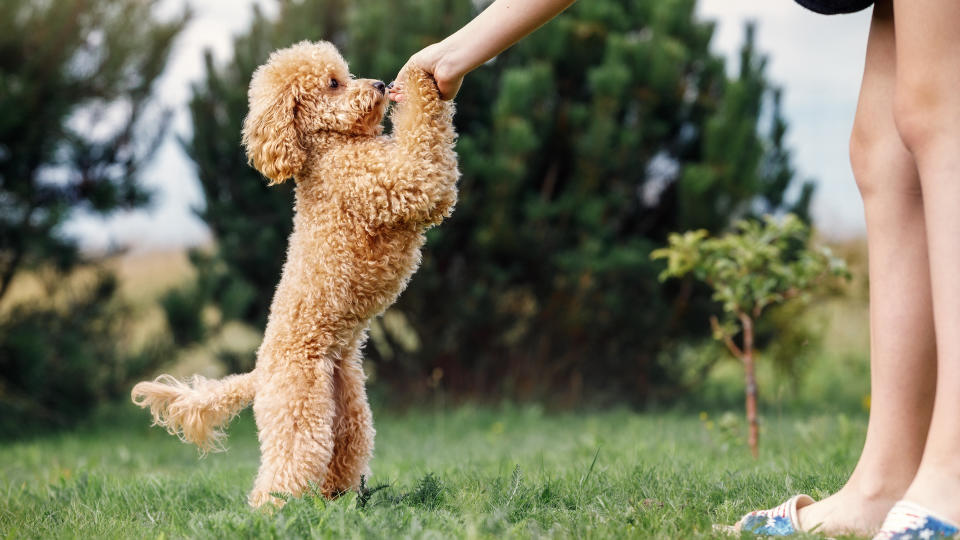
{"x": 363, "y": 202}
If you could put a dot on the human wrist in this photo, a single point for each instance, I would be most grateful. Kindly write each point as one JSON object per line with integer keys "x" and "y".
{"x": 452, "y": 62}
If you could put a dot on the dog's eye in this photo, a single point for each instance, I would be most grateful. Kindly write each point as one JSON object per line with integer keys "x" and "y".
{"x": 334, "y": 83}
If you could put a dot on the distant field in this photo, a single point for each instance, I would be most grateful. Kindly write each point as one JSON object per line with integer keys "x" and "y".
{"x": 462, "y": 473}
{"x": 143, "y": 276}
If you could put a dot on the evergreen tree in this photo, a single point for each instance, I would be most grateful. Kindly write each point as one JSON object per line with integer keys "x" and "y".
{"x": 581, "y": 148}
{"x": 76, "y": 124}
{"x": 76, "y": 81}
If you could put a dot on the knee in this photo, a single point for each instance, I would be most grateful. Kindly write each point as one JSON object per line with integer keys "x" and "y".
{"x": 878, "y": 159}
{"x": 926, "y": 114}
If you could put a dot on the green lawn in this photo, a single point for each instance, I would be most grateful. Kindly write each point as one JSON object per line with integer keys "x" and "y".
{"x": 466, "y": 472}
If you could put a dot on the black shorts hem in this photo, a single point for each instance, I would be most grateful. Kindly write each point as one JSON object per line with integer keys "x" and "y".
{"x": 835, "y": 7}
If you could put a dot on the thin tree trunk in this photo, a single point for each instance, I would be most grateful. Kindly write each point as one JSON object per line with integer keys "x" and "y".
{"x": 6, "y": 277}
{"x": 751, "y": 380}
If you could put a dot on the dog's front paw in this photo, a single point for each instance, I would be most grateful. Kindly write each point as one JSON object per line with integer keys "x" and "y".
{"x": 418, "y": 85}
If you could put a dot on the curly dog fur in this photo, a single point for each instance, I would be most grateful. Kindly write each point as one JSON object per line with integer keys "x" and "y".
{"x": 363, "y": 202}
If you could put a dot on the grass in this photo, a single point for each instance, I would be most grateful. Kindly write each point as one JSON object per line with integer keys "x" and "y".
{"x": 461, "y": 473}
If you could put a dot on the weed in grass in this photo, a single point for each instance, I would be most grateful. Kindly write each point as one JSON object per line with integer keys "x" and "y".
{"x": 365, "y": 493}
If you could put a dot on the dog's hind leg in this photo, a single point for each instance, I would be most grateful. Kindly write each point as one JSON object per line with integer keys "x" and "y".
{"x": 294, "y": 410}
{"x": 353, "y": 431}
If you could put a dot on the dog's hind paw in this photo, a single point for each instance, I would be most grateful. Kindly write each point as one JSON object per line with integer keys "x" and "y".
{"x": 267, "y": 500}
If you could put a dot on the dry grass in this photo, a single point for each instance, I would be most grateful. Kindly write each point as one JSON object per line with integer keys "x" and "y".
{"x": 848, "y": 331}
{"x": 143, "y": 278}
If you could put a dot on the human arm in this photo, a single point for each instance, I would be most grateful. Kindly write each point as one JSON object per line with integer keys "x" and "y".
{"x": 502, "y": 24}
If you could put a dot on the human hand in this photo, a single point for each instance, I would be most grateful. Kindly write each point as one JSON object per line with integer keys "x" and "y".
{"x": 437, "y": 60}
{"x": 500, "y": 25}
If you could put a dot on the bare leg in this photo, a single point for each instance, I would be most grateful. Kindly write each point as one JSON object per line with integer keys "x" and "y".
{"x": 902, "y": 356}
{"x": 294, "y": 411}
{"x": 352, "y": 429}
{"x": 928, "y": 117}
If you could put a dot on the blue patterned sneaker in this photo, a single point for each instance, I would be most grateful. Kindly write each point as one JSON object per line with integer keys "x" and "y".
{"x": 909, "y": 521}
{"x": 779, "y": 521}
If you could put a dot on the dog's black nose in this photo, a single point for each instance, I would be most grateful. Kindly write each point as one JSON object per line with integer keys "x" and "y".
{"x": 380, "y": 86}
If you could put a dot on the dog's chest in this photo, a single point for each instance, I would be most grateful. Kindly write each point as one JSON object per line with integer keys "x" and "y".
{"x": 385, "y": 260}
{"x": 358, "y": 273}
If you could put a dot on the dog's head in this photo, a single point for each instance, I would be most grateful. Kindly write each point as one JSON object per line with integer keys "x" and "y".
{"x": 304, "y": 89}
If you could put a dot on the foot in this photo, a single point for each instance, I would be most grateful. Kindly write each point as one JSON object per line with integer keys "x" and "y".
{"x": 845, "y": 512}
{"x": 910, "y": 521}
{"x": 937, "y": 488}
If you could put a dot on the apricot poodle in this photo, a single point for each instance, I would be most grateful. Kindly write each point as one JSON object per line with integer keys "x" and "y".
{"x": 363, "y": 202}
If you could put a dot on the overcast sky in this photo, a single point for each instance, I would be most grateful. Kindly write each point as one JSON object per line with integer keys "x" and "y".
{"x": 817, "y": 60}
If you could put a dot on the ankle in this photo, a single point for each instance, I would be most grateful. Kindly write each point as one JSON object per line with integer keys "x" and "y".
{"x": 934, "y": 472}
{"x": 877, "y": 489}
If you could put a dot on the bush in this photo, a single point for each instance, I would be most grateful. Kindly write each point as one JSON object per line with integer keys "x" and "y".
{"x": 756, "y": 267}
{"x": 60, "y": 359}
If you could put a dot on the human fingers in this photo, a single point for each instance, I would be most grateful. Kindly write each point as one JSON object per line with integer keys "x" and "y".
{"x": 433, "y": 60}
{"x": 395, "y": 92}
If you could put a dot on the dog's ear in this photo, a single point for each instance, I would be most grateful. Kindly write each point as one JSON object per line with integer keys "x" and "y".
{"x": 269, "y": 131}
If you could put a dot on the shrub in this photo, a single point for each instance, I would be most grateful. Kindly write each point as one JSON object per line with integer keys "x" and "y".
{"x": 60, "y": 359}
{"x": 760, "y": 265}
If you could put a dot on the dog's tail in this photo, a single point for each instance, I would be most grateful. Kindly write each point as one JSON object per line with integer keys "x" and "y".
{"x": 195, "y": 410}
